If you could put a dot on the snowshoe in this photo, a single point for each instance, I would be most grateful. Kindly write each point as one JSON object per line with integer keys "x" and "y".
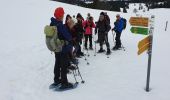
{"x": 67, "y": 86}
{"x": 54, "y": 85}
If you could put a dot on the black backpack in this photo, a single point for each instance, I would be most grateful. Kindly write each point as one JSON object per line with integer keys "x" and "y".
{"x": 124, "y": 23}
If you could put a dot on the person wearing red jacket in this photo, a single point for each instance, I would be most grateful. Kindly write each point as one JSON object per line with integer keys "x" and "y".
{"x": 88, "y": 26}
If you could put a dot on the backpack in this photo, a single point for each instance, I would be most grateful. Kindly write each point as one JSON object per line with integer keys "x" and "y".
{"x": 53, "y": 43}
{"x": 124, "y": 23}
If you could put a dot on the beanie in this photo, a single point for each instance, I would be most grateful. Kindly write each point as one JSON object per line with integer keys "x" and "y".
{"x": 59, "y": 12}
{"x": 79, "y": 15}
{"x": 102, "y": 13}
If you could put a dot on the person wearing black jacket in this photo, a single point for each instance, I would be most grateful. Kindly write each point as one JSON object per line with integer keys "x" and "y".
{"x": 79, "y": 35}
{"x": 103, "y": 27}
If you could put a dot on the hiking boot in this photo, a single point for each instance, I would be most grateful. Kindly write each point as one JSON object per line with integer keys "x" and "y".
{"x": 101, "y": 50}
{"x": 108, "y": 52}
{"x": 116, "y": 48}
{"x": 66, "y": 85}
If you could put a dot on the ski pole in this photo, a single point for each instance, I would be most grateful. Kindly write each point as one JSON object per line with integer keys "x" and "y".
{"x": 85, "y": 58}
{"x": 113, "y": 37}
{"x": 82, "y": 81}
{"x": 107, "y": 45}
{"x": 95, "y": 45}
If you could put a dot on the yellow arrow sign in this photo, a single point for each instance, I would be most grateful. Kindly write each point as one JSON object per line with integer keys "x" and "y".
{"x": 144, "y": 48}
{"x": 139, "y": 21}
{"x": 144, "y": 42}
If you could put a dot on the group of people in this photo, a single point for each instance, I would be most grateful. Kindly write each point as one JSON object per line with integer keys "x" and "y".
{"x": 76, "y": 31}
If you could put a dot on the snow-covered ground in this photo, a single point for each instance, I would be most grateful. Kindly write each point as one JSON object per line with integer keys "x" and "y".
{"x": 26, "y": 65}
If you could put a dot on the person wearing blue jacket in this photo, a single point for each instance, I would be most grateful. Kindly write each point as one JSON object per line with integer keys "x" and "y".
{"x": 118, "y": 27}
{"x": 61, "y": 58}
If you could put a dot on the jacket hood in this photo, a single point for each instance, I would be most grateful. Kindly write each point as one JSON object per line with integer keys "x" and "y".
{"x": 54, "y": 21}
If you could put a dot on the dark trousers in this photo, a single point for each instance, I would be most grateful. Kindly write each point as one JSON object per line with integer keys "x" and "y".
{"x": 89, "y": 36}
{"x": 60, "y": 68}
{"x": 77, "y": 48}
{"x": 104, "y": 38}
{"x": 118, "y": 41}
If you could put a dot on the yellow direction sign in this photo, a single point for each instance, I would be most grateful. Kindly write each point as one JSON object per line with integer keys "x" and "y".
{"x": 144, "y": 42}
{"x": 143, "y": 45}
{"x": 139, "y": 21}
{"x": 144, "y": 48}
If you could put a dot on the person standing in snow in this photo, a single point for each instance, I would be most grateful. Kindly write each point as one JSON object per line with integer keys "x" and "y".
{"x": 79, "y": 34}
{"x": 118, "y": 28}
{"x": 88, "y": 16}
{"x": 103, "y": 27}
{"x": 61, "y": 58}
{"x": 88, "y": 26}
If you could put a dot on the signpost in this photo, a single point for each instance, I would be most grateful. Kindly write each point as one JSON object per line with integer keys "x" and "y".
{"x": 150, "y": 52}
{"x": 141, "y": 27}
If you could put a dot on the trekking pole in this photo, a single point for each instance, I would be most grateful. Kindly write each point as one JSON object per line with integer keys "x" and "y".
{"x": 82, "y": 81}
{"x": 74, "y": 74}
{"x": 85, "y": 58}
{"x": 88, "y": 53}
{"x": 106, "y": 40}
{"x": 95, "y": 45}
{"x": 113, "y": 37}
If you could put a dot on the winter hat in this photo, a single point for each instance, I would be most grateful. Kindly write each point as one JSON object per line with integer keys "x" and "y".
{"x": 118, "y": 15}
{"x": 78, "y": 15}
{"x": 59, "y": 12}
{"x": 102, "y": 13}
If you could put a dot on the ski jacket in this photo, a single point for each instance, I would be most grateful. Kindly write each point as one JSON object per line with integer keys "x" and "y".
{"x": 118, "y": 25}
{"x": 63, "y": 34}
{"x": 88, "y": 27}
{"x": 102, "y": 27}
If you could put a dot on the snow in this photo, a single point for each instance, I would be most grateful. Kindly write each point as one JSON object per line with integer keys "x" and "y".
{"x": 26, "y": 65}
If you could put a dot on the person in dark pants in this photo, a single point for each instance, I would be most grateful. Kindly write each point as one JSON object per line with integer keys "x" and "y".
{"x": 78, "y": 35}
{"x": 118, "y": 27}
{"x": 61, "y": 58}
{"x": 88, "y": 26}
{"x": 103, "y": 28}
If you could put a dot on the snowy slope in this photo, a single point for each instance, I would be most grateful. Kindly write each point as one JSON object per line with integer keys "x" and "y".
{"x": 26, "y": 66}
